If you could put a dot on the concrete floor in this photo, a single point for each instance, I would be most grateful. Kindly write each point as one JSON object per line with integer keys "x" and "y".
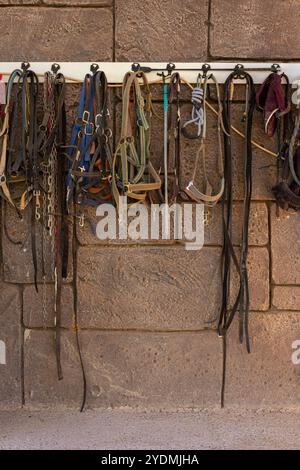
{"x": 219, "y": 429}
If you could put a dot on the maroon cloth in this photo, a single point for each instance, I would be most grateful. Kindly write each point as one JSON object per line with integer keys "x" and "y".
{"x": 270, "y": 97}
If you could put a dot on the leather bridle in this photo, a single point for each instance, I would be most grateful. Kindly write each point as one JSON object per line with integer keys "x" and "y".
{"x": 132, "y": 169}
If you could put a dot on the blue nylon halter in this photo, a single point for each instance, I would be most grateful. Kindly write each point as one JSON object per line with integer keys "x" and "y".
{"x": 86, "y": 127}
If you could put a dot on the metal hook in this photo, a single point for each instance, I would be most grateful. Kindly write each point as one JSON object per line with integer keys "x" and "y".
{"x": 164, "y": 74}
{"x": 55, "y": 67}
{"x": 239, "y": 71}
{"x": 170, "y": 67}
{"x": 25, "y": 66}
{"x": 205, "y": 69}
{"x": 94, "y": 67}
{"x": 135, "y": 67}
{"x": 239, "y": 68}
{"x": 275, "y": 68}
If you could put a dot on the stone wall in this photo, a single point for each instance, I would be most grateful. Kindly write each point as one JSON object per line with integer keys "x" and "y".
{"x": 147, "y": 313}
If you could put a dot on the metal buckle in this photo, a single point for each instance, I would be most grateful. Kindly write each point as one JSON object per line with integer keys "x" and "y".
{"x": 108, "y": 132}
{"x": 98, "y": 118}
{"x": 2, "y": 179}
{"x": 207, "y": 217}
{"x": 37, "y": 194}
{"x": 91, "y": 132}
{"x": 81, "y": 220}
{"x": 84, "y": 118}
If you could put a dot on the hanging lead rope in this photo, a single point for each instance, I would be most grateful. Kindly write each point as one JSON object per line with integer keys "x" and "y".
{"x": 206, "y": 196}
{"x": 197, "y": 117}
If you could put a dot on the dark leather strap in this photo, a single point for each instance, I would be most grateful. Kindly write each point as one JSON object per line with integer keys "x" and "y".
{"x": 242, "y": 300}
{"x": 174, "y": 127}
{"x": 29, "y": 149}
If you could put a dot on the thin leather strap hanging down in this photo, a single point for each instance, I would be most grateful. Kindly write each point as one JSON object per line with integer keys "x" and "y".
{"x": 199, "y": 119}
{"x": 241, "y": 301}
{"x": 132, "y": 169}
{"x": 174, "y": 125}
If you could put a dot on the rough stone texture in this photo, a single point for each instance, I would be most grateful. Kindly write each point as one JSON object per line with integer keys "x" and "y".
{"x": 255, "y": 30}
{"x": 285, "y": 244}
{"x": 161, "y": 32}
{"x": 264, "y": 173}
{"x": 152, "y": 295}
{"x": 35, "y": 315}
{"x": 286, "y": 297}
{"x": 21, "y": 270}
{"x": 258, "y": 225}
{"x": 57, "y": 34}
{"x": 126, "y": 369}
{"x": 19, "y": 2}
{"x": 140, "y": 370}
{"x": 148, "y": 288}
{"x": 41, "y": 384}
{"x": 10, "y": 334}
{"x": 209, "y": 429}
{"x": 70, "y": 3}
{"x": 267, "y": 376}
{"x": 258, "y": 272}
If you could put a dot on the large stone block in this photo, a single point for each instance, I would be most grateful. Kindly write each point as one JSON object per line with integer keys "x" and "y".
{"x": 19, "y": 2}
{"x": 254, "y": 29}
{"x": 10, "y": 346}
{"x": 83, "y": 34}
{"x": 286, "y": 297}
{"x": 285, "y": 245}
{"x": 267, "y": 376}
{"x": 38, "y": 308}
{"x": 169, "y": 371}
{"x": 86, "y": 3}
{"x": 148, "y": 288}
{"x": 155, "y": 31}
{"x": 161, "y": 288}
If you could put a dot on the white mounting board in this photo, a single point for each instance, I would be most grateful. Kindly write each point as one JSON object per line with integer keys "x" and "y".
{"x": 115, "y": 71}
